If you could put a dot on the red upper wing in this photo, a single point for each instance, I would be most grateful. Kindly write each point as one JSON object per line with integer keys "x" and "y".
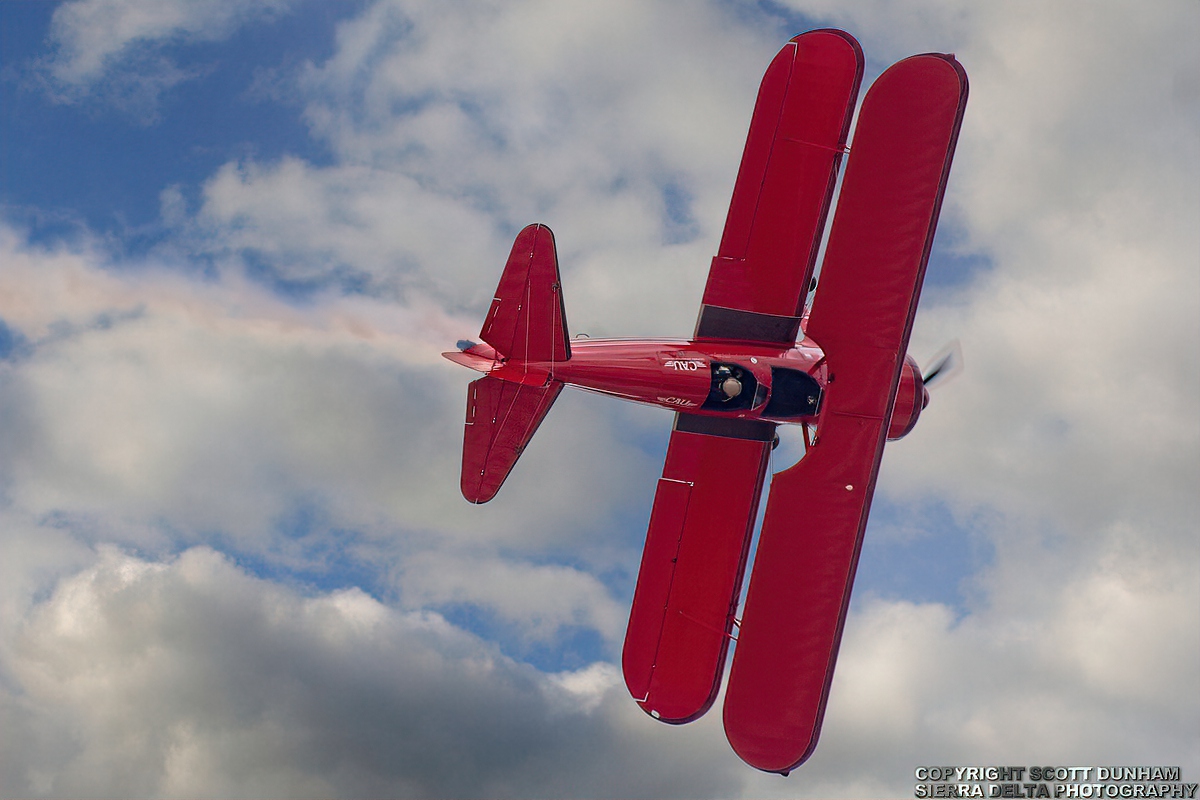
{"x": 862, "y": 316}
{"x": 759, "y": 279}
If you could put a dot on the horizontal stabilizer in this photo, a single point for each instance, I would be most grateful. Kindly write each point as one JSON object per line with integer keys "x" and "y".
{"x": 501, "y": 419}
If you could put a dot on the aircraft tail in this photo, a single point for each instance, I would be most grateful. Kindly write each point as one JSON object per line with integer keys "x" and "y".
{"x": 526, "y": 325}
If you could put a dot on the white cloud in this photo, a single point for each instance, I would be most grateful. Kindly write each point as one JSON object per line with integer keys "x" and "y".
{"x": 215, "y": 408}
{"x": 114, "y": 48}
{"x": 148, "y": 394}
{"x": 453, "y": 130}
{"x": 349, "y": 223}
{"x": 1077, "y": 407}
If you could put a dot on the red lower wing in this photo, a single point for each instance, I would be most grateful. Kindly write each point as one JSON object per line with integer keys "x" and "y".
{"x": 692, "y": 566}
{"x": 862, "y": 316}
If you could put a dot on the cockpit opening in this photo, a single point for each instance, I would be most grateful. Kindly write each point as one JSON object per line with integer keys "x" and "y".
{"x": 793, "y": 394}
{"x": 732, "y": 388}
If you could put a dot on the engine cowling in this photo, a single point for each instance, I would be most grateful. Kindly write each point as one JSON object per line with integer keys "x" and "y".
{"x": 911, "y": 399}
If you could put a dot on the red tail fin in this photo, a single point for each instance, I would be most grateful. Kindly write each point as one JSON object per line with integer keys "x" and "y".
{"x": 501, "y": 419}
{"x": 526, "y": 325}
{"x": 526, "y": 321}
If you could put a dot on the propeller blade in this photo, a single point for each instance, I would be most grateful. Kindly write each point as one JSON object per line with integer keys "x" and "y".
{"x": 947, "y": 363}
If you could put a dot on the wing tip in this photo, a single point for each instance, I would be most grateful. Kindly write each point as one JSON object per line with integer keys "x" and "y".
{"x": 771, "y": 754}
{"x": 478, "y": 492}
{"x": 838, "y": 32}
{"x": 682, "y": 718}
{"x": 949, "y": 59}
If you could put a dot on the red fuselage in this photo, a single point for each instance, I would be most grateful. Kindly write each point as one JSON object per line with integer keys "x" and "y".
{"x": 708, "y": 377}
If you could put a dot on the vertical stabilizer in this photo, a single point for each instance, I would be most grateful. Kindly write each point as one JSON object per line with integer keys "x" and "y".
{"x": 526, "y": 321}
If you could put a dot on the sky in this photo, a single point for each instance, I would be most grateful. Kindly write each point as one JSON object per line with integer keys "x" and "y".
{"x": 235, "y": 237}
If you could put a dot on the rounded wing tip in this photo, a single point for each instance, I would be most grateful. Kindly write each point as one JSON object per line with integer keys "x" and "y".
{"x": 767, "y": 759}
{"x": 760, "y": 743}
{"x": 477, "y": 492}
{"x": 838, "y": 32}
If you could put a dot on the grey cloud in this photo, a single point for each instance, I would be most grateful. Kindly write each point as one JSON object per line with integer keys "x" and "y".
{"x": 191, "y": 677}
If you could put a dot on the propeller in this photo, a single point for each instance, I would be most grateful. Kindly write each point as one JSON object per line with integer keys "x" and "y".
{"x": 945, "y": 365}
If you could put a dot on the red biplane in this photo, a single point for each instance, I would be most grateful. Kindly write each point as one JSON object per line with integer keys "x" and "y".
{"x": 759, "y": 358}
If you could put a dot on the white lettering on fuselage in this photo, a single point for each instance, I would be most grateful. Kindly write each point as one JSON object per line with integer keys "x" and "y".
{"x": 688, "y": 365}
{"x": 676, "y": 401}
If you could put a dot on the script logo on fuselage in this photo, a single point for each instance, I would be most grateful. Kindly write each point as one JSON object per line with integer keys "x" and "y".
{"x": 677, "y": 401}
{"x": 684, "y": 364}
